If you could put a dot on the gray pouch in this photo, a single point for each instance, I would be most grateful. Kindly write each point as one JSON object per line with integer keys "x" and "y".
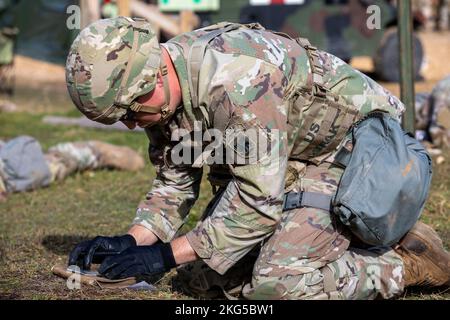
{"x": 386, "y": 181}
{"x": 23, "y": 165}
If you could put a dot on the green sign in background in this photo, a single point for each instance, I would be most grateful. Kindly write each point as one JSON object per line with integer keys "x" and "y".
{"x": 194, "y": 5}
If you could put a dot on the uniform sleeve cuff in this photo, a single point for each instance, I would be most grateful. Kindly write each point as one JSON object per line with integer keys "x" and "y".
{"x": 213, "y": 258}
{"x": 164, "y": 236}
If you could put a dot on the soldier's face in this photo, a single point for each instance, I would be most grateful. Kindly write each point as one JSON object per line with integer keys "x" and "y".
{"x": 154, "y": 98}
{"x": 142, "y": 119}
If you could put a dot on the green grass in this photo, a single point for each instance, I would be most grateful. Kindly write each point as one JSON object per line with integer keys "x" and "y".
{"x": 38, "y": 229}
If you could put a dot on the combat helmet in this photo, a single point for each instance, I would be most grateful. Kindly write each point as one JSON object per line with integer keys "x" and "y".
{"x": 110, "y": 64}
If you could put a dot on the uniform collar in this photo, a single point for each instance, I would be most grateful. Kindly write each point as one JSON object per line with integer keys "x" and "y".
{"x": 179, "y": 61}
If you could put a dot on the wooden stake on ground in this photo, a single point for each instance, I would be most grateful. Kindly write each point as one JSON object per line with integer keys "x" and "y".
{"x": 155, "y": 17}
{"x": 188, "y": 21}
{"x": 90, "y": 12}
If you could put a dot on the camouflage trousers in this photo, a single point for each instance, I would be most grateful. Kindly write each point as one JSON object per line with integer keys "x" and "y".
{"x": 67, "y": 158}
{"x": 311, "y": 255}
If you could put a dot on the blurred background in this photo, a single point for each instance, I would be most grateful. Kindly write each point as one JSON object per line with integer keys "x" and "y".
{"x": 38, "y": 228}
{"x": 35, "y": 37}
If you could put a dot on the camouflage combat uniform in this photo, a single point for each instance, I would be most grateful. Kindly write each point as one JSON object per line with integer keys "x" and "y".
{"x": 440, "y": 120}
{"x": 435, "y": 13}
{"x": 2, "y": 183}
{"x": 248, "y": 79}
{"x": 7, "y": 40}
{"x": 433, "y": 113}
{"x": 67, "y": 158}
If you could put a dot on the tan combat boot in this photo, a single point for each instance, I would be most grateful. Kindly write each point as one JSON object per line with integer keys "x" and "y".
{"x": 426, "y": 262}
{"x": 199, "y": 280}
{"x": 117, "y": 157}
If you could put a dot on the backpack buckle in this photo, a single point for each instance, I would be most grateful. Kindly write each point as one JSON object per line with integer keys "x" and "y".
{"x": 292, "y": 200}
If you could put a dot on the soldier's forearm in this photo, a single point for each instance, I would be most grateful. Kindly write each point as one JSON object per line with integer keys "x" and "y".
{"x": 183, "y": 251}
{"x": 142, "y": 235}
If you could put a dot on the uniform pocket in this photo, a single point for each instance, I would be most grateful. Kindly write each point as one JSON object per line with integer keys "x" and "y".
{"x": 305, "y": 240}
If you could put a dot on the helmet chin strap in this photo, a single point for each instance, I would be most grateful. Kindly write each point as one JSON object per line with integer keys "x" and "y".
{"x": 164, "y": 110}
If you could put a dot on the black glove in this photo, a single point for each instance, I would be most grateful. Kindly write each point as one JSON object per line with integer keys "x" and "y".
{"x": 139, "y": 260}
{"x": 97, "y": 249}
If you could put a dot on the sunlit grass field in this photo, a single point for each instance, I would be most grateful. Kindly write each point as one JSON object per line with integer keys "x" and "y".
{"x": 38, "y": 229}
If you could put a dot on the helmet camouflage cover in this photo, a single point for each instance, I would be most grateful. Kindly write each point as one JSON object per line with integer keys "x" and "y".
{"x": 110, "y": 64}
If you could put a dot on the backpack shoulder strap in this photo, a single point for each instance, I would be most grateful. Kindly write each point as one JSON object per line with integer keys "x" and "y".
{"x": 196, "y": 53}
{"x": 293, "y": 200}
{"x": 316, "y": 67}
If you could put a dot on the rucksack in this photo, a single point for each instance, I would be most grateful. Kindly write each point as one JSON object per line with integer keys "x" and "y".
{"x": 384, "y": 186}
{"x": 377, "y": 212}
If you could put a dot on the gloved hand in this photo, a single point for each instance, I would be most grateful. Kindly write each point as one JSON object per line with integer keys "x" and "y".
{"x": 97, "y": 249}
{"x": 139, "y": 260}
